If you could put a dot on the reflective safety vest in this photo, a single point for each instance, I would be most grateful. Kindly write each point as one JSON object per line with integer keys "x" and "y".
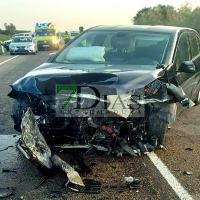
{"x": 83, "y": 43}
{"x": 66, "y": 36}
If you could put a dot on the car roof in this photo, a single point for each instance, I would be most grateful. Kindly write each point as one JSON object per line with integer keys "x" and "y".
{"x": 19, "y": 36}
{"x": 156, "y": 28}
{"x": 23, "y": 33}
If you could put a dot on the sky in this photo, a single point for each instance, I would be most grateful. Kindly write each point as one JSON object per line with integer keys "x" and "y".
{"x": 68, "y": 15}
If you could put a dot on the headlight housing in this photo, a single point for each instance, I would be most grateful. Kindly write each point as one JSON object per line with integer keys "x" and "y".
{"x": 55, "y": 41}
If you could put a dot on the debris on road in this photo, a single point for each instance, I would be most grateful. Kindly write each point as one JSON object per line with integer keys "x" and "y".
{"x": 133, "y": 182}
{"x": 187, "y": 173}
{"x": 189, "y": 149}
{"x": 8, "y": 170}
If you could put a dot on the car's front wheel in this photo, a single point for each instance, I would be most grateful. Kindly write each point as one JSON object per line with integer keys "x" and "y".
{"x": 11, "y": 53}
{"x": 158, "y": 127}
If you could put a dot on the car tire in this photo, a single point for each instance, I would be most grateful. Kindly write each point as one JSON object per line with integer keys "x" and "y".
{"x": 197, "y": 101}
{"x": 158, "y": 127}
{"x": 11, "y": 53}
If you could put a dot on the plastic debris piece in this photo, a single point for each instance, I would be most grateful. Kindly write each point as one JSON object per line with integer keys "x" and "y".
{"x": 4, "y": 192}
{"x": 128, "y": 179}
{"x": 188, "y": 149}
{"x": 72, "y": 175}
{"x": 187, "y": 173}
{"x": 91, "y": 186}
{"x": 163, "y": 147}
{"x": 133, "y": 182}
{"x": 8, "y": 170}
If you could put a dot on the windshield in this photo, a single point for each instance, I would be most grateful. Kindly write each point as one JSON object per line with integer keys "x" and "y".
{"x": 22, "y": 39}
{"x": 44, "y": 32}
{"x": 116, "y": 47}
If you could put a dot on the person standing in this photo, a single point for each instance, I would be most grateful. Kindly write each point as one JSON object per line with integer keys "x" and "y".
{"x": 66, "y": 37}
{"x": 81, "y": 29}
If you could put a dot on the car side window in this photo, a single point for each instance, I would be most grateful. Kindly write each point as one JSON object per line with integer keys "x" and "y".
{"x": 182, "y": 50}
{"x": 194, "y": 43}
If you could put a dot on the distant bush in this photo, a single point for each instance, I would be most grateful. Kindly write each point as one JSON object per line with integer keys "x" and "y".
{"x": 4, "y": 37}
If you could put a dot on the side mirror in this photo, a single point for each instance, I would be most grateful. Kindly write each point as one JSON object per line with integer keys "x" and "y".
{"x": 187, "y": 67}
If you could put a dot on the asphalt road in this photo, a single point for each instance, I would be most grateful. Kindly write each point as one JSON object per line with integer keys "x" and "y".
{"x": 162, "y": 173}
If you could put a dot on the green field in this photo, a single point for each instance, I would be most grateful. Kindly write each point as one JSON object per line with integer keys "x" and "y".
{"x": 3, "y": 38}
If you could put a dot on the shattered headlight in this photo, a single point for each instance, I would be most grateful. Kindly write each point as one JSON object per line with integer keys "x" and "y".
{"x": 155, "y": 89}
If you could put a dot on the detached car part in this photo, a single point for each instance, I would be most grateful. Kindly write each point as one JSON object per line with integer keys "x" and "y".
{"x": 36, "y": 146}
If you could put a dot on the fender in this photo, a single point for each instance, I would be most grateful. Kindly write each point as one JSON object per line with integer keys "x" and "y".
{"x": 166, "y": 111}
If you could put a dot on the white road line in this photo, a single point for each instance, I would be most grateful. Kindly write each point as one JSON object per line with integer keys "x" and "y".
{"x": 8, "y": 60}
{"x": 176, "y": 186}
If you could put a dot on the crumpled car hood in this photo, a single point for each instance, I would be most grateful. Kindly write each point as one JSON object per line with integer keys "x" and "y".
{"x": 43, "y": 79}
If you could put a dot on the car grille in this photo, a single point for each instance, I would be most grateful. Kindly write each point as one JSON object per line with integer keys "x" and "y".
{"x": 21, "y": 47}
{"x": 44, "y": 41}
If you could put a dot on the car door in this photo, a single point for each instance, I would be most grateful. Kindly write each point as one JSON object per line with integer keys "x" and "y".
{"x": 194, "y": 41}
{"x": 185, "y": 52}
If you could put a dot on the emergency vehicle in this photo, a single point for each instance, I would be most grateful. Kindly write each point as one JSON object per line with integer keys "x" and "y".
{"x": 46, "y": 36}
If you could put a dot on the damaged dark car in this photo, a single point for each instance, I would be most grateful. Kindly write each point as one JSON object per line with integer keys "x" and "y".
{"x": 114, "y": 89}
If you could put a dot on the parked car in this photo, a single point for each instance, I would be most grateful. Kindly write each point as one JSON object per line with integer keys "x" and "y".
{"x": 23, "y": 45}
{"x": 7, "y": 42}
{"x": 73, "y": 34}
{"x": 103, "y": 92}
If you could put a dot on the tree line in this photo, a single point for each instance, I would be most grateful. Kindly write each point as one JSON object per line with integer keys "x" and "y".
{"x": 185, "y": 16}
{"x": 10, "y": 29}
